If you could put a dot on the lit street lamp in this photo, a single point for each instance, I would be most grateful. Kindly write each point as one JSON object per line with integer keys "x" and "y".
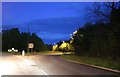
{"x": 74, "y": 32}
{"x": 70, "y": 35}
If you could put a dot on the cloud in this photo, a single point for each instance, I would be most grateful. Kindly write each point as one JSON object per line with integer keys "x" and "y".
{"x": 53, "y": 29}
{"x": 49, "y": 35}
{"x": 56, "y": 25}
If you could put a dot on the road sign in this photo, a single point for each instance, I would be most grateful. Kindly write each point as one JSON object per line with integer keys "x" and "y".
{"x": 30, "y": 45}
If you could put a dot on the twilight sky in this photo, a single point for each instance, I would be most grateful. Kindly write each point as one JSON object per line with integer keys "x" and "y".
{"x": 51, "y": 21}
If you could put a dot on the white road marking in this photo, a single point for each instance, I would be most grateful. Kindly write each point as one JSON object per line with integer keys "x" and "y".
{"x": 30, "y": 62}
{"x": 27, "y": 61}
{"x": 43, "y": 72}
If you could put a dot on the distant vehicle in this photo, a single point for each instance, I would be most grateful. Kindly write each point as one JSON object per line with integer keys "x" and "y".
{"x": 9, "y": 50}
{"x": 12, "y": 50}
{"x": 15, "y": 50}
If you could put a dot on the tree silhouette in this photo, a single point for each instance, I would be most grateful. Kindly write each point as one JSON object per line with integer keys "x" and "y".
{"x": 14, "y": 39}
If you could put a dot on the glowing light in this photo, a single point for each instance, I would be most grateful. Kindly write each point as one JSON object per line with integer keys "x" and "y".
{"x": 64, "y": 45}
{"x": 54, "y": 47}
{"x": 74, "y": 32}
{"x": 71, "y": 41}
{"x": 71, "y": 36}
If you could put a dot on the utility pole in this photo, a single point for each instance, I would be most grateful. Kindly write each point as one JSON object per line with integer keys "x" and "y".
{"x": 28, "y": 41}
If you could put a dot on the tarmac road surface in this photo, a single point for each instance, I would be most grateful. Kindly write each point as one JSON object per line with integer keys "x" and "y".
{"x": 45, "y": 65}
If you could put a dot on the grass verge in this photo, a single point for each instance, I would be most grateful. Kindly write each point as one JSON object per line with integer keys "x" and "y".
{"x": 50, "y": 52}
{"x": 94, "y": 61}
{"x": 34, "y": 53}
{"x": 14, "y": 53}
{"x": 53, "y": 52}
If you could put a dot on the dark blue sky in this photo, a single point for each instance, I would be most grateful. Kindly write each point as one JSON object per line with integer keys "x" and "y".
{"x": 51, "y": 21}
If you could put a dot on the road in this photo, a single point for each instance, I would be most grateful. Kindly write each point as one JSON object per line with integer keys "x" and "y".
{"x": 45, "y": 65}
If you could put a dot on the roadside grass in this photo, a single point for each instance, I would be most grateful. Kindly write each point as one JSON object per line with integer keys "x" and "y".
{"x": 53, "y": 52}
{"x": 35, "y": 53}
{"x": 50, "y": 52}
{"x": 44, "y": 53}
{"x": 14, "y": 53}
{"x": 94, "y": 61}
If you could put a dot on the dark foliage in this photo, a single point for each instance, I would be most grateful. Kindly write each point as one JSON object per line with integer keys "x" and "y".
{"x": 100, "y": 39}
{"x": 14, "y": 39}
{"x": 49, "y": 47}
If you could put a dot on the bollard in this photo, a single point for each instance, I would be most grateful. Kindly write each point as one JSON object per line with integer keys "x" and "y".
{"x": 23, "y": 53}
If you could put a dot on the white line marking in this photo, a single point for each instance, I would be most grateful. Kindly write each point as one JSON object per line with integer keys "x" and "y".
{"x": 43, "y": 72}
{"x": 27, "y": 61}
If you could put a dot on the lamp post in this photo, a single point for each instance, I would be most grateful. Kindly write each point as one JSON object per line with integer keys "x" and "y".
{"x": 70, "y": 35}
{"x": 74, "y": 32}
{"x": 28, "y": 41}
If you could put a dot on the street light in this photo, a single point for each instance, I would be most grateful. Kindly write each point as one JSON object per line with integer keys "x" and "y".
{"x": 70, "y": 35}
{"x": 74, "y": 32}
{"x": 54, "y": 43}
{"x": 28, "y": 40}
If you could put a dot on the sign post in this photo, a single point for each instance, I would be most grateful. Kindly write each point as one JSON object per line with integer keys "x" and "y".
{"x": 31, "y": 46}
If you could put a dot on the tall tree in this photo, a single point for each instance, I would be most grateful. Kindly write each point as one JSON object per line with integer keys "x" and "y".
{"x": 38, "y": 43}
{"x": 14, "y": 39}
{"x": 11, "y": 38}
{"x": 107, "y": 12}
